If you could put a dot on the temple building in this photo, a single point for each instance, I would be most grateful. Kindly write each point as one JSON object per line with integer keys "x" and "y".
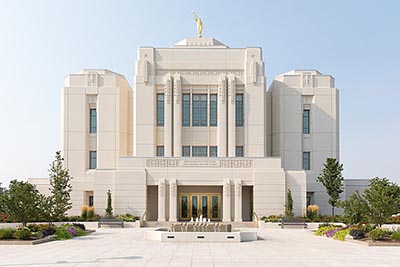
{"x": 198, "y": 134}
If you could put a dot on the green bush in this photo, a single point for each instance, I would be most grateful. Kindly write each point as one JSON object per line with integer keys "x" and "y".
{"x": 272, "y": 218}
{"x": 23, "y": 233}
{"x": 33, "y": 227}
{"x": 395, "y": 236}
{"x": 341, "y": 235}
{"x": 7, "y": 233}
{"x": 63, "y": 234}
{"x": 324, "y": 228}
{"x": 377, "y": 234}
{"x": 126, "y": 217}
{"x": 79, "y": 231}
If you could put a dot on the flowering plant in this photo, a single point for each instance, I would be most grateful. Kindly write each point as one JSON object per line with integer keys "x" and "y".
{"x": 72, "y": 231}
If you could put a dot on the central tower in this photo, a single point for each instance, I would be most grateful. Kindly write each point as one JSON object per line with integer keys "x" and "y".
{"x": 199, "y": 98}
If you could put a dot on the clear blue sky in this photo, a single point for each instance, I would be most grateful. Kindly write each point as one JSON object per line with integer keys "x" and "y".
{"x": 357, "y": 42}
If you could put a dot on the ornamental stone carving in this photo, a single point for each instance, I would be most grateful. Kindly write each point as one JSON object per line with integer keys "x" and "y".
{"x": 167, "y": 88}
{"x": 232, "y": 88}
{"x": 200, "y": 72}
{"x": 161, "y": 188}
{"x": 145, "y": 71}
{"x": 92, "y": 79}
{"x": 177, "y": 88}
{"x": 222, "y": 88}
{"x": 199, "y": 163}
{"x": 238, "y": 189}
{"x": 172, "y": 188}
{"x": 253, "y": 72}
{"x": 227, "y": 188}
{"x": 307, "y": 80}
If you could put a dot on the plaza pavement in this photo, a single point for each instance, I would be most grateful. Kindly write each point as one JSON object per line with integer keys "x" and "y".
{"x": 126, "y": 247}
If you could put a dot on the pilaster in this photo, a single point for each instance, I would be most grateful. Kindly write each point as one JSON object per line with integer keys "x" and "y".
{"x": 173, "y": 200}
{"x": 168, "y": 115}
{"x": 231, "y": 115}
{"x": 222, "y": 99}
{"x": 177, "y": 116}
{"x": 238, "y": 200}
{"x": 161, "y": 200}
{"x": 226, "y": 206}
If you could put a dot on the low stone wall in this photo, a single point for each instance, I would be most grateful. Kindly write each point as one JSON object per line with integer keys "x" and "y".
{"x": 89, "y": 225}
{"x": 275, "y": 225}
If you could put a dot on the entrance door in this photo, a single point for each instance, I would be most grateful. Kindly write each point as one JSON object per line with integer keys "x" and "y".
{"x": 195, "y": 204}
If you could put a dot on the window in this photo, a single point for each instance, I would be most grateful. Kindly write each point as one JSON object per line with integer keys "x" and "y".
{"x": 310, "y": 198}
{"x": 91, "y": 201}
{"x": 186, "y": 151}
{"x": 160, "y": 151}
{"x": 306, "y": 121}
{"x": 199, "y": 151}
{"x": 213, "y": 151}
{"x": 93, "y": 159}
{"x": 213, "y": 110}
{"x": 186, "y": 110}
{"x": 306, "y": 160}
{"x": 239, "y": 110}
{"x": 93, "y": 120}
{"x": 239, "y": 151}
{"x": 160, "y": 109}
{"x": 199, "y": 112}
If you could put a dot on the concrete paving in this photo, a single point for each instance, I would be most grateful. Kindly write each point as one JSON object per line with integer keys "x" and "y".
{"x": 127, "y": 247}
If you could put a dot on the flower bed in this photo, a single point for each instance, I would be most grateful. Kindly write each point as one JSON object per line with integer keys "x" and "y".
{"x": 35, "y": 233}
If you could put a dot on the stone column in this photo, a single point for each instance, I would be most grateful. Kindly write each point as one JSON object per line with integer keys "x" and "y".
{"x": 167, "y": 115}
{"x": 238, "y": 201}
{"x": 161, "y": 200}
{"x": 231, "y": 116}
{"x": 226, "y": 200}
{"x": 222, "y": 99}
{"x": 177, "y": 116}
{"x": 173, "y": 202}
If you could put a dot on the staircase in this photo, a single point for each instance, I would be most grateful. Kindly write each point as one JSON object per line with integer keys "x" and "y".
{"x": 235, "y": 225}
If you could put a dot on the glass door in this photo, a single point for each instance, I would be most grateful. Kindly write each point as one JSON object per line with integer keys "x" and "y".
{"x": 184, "y": 207}
{"x": 192, "y": 205}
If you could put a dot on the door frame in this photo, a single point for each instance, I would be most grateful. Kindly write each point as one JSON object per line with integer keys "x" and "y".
{"x": 199, "y": 208}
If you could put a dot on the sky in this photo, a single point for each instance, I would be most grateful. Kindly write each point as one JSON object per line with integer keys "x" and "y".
{"x": 357, "y": 42}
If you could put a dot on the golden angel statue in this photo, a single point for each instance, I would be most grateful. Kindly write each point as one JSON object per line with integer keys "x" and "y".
{"x": 199, "y": 25}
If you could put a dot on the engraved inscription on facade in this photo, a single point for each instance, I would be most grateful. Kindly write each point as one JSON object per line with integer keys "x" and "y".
{"x": 214, "y": 163}
{"x": 201, "y": 72}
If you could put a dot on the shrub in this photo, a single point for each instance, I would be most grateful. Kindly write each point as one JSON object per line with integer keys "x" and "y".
{"x": 48, "y": 231}
{"x": 7, "y": 233}
{"x": 126, "y": 217}
{"x": 33, "y": 227}
{"x": 395, "y": 236}
{"x": 63, "y": 234}
{"x": 332, "y": 232}
{"x": 312, "y": 211}
{"x": 377, "y": 234}
{"x": 80, "y": 226}
{"x": 23, "y": 233}
{"x": 272, "y": 218}
{"x": 72, "y": 231}
{"x": 90, "y": 213}
{"x": 79, "y": 231}
{"x": 341, "y": 234}
{"x": 323, "y": 228}
{"x": 357, "y": 233}
{"x": 84, "y": 212}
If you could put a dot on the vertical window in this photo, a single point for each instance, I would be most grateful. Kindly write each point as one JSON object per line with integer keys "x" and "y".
{"x": 199, "y": 151}
{"x": 239, "y": 151}
{"x": 93, "y": 120}
{"x": 91, "y": 201}
{"x": 160, "y": 151}
{"x": 306, "y": 121}
{"x": 199, "y": 110}
{"x": 186, "y": 110}
{"x": 160, "y": 109}
{"x": 239, "y": 110}
{"x": 213, "y": 151}
{"x": 93, "y": 159}
{"x": 306, "y": 160}
{"x": 186, "y": 151}
{"x": 213, "y": 110}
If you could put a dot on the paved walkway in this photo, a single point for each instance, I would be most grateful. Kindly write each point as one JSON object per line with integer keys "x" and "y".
{"x": 126, "y": 247}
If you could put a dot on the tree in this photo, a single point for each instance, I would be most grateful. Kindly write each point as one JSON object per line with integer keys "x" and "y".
{"x": 383, "y": 197}
{"x": 2, "y": 194}
{"x": 355, "y": 208}
{"x": 289, "y": 204}
{"x": 332, "y": 179}
{"x": 59, "y": 202}
{"x": 21, "y": 201}
{"x": 109, "y": 209}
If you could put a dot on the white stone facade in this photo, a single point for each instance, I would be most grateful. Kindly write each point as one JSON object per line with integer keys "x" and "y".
{"x": 252, "y": 141}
